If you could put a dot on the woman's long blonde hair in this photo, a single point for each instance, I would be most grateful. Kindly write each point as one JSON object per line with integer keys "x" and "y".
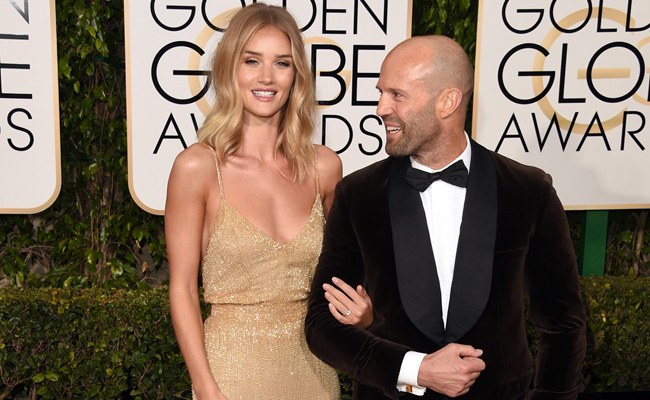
{"x": 222, "y": 128}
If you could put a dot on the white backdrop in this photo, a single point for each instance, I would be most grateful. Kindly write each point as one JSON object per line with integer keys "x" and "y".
{"x": 169, "y": 46}
{"x": 30, "y": 167}
{"x": 564, "y": 85}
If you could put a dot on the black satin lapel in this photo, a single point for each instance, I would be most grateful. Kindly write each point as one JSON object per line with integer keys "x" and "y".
{"x": 416, "y": 273}
{"x": 473, "y": 270}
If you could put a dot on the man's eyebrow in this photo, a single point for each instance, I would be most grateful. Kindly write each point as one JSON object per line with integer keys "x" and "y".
{"x": 389, "y": 89}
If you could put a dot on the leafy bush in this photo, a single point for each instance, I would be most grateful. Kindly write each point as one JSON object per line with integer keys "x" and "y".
{"x": 454, "y": 18}
{"x": 628, "y": 243}
{"x": 108, "y": 344}
{"x": 89, "y": 344}
{"x": 618, "y": 353}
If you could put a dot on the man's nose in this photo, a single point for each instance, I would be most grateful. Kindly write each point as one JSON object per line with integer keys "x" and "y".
{"x": 383, "y": 106}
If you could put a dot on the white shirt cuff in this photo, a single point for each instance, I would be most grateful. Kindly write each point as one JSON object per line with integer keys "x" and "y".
{"x": 407, "y": 381}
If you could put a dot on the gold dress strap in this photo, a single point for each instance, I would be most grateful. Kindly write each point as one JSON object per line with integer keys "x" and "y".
{"x": 216, "y": 163}
{"x": 316, "y": 173}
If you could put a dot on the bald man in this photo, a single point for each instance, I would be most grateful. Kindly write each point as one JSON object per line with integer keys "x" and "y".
{"x": 450, "y": 239}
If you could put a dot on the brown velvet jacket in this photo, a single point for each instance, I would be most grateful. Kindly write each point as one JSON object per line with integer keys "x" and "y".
{"x": 514, "y": 244}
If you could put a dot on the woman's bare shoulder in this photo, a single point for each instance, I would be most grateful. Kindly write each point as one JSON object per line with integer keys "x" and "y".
{"x": 193, "y": 171}
{"x": 327, "y": 158}
{"x": 197, "y": 158}
{"x": 330, "y": 167}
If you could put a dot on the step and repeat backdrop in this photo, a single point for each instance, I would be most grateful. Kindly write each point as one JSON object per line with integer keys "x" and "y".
{"x": 30, "y": 165}
{"x": 169, "y": 48}
{"x": 560, "y": 84}
{"x": 564, "y": 85}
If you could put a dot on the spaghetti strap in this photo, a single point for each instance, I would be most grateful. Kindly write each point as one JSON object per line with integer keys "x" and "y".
{"x": 216, "y": 163}
{"x": 316, "y": 173}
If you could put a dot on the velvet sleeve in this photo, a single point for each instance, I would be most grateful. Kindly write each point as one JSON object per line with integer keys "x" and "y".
{"x": 556, "y": 308}
{"x": 370, "y": 360}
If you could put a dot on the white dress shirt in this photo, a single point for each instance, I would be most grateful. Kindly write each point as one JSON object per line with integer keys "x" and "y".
{"x": 443, "y": 208}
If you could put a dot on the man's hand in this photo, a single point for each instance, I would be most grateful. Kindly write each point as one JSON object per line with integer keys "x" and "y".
{"x": 451, "y": 370}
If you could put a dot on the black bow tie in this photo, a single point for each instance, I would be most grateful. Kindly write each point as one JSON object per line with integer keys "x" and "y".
{"x": 455, "y": 174}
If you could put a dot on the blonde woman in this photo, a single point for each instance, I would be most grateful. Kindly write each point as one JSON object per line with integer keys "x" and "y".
{"x": 248, "y": 203}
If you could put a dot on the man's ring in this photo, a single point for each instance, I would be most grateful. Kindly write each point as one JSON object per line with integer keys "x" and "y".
{"x": 347, "y": 313}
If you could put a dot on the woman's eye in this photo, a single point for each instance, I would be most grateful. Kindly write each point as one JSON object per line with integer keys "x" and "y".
{"x": 250, "y": 62}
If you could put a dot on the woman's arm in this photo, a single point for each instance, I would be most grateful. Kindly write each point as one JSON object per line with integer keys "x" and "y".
{"x": 330, "y": 171}
{"x": 187, "y": 194}
{"x": 347, "y": 305}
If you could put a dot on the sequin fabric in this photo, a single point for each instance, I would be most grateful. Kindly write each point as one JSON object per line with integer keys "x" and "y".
{"x": 254, "y": 336}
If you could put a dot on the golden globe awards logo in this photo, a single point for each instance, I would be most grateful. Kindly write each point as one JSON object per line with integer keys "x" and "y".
{"x": 564, "y": 85}
{"x": 30, "y": 172}
{"x": 169, "y": 49}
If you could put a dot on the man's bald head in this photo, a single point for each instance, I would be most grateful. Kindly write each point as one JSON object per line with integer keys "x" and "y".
{"x": 441, "y": 61}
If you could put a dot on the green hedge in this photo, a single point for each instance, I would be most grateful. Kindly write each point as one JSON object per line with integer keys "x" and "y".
{"x": 618, "y": 353}
{"x": 89, "y": 344}
{"x": 108, "y": 344}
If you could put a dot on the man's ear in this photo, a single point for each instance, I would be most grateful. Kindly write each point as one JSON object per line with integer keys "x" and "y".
{"x": 448, "y": 102}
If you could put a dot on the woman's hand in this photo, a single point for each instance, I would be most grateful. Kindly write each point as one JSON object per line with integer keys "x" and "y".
{"x": 347, "y": 305}
{"x": 213, "y": 393}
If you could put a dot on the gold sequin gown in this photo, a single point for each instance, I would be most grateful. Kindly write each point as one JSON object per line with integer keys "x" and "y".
{"x": 257, "y": 288}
